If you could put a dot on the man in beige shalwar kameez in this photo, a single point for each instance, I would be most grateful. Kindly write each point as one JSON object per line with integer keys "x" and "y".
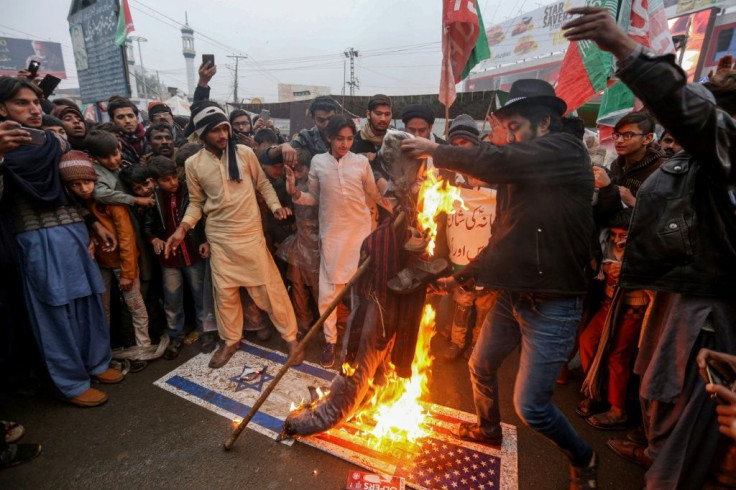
{"x": 223, "y": 179}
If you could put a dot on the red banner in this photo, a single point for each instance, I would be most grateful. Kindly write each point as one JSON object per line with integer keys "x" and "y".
{"x": 460, "y": 30}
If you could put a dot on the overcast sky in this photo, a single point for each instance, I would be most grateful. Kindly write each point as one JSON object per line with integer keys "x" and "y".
{"x": 287, "y": 41}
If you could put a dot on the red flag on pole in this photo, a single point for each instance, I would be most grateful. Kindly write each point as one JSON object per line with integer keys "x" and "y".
{"x": 125, "y": 23}
{"x": 464, "y": 44}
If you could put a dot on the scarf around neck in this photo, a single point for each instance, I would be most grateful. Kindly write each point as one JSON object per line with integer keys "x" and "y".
{"x": 34, "y": 171}
{"x": 368, "y": 135}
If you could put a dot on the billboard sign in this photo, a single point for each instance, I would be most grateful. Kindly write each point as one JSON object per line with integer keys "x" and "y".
{"x": 15, "y": 54}
{"x": 100, "y": 63}
{"x": 535, "y": 33}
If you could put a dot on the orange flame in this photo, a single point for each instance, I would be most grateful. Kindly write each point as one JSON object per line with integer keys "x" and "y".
{"x": 436, "y": 195}
{"x": 395, "y": 412}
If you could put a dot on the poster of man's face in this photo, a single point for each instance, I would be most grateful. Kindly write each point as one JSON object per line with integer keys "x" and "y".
{"x": 16, "y": 54}
{"x": 79, "y": 47}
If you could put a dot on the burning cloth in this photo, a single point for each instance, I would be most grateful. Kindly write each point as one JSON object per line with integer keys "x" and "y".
{"x": 382, "y": 326}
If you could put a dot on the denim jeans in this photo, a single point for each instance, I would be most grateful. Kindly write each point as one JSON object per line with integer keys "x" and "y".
{"x": 545, "y": 325}
{"x": 173, "y": 278}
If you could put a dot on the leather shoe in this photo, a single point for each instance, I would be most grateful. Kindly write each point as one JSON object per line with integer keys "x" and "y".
{"x": 630, "y": 451}
{"x": 109, "y": 376}
{"x": 223, "y": 354}
{"x": 298, "y": 356}
{"x": 208, "y": 342}
{"x": 90, "y": 398}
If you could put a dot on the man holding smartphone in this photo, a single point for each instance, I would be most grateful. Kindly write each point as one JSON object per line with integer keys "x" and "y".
{"x": 61, "y": 283}
{"x": 682, "y": 245}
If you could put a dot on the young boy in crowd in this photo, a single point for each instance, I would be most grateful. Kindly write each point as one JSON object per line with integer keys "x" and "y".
{"x": 53, "y": 124}
{"x": 623, "y": 345}
{"x": 77, "y": 172}
{"x": 468, "y": 232}
{"x": 104, "y": 148}
{"x": 172, "y": 197}
{"x": 301, "y": 252}
{"x": 138, "y": 179}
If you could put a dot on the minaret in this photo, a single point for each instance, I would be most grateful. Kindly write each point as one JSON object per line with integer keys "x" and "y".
{"x": 187, "y": 41}
{"x": 131, "y": 68}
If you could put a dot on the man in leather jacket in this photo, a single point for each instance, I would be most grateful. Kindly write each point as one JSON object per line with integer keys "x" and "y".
{"x": 682, "y": 245}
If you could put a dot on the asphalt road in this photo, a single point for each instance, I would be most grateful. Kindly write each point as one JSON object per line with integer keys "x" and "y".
{"x": 146, "y": 437}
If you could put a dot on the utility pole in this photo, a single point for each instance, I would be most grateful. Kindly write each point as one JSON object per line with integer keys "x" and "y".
{"x": 140, "y": 40}
{"x": 235, "y": 85}
{"x": 353, "y": 83}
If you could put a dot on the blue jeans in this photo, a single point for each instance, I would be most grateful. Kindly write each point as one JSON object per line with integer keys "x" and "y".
{"x": 173, "y": 278}
{"x": 545, "y": 325}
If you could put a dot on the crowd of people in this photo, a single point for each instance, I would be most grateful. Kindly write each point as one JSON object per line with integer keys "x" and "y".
{"x": 622, "y": 270}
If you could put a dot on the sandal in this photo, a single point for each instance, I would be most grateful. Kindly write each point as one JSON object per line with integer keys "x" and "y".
{"x": 605, "y": 421}
{"x": 630, "y": 451}
{"x": 13, "y": 431}
{"x": 588, "y": 407}
{"x": 471, "y": 432}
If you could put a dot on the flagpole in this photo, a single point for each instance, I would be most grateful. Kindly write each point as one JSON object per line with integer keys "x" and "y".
{"x": 447, "y": 123}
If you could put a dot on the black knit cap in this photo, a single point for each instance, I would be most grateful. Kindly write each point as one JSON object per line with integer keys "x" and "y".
{"x": 421, "y": 111}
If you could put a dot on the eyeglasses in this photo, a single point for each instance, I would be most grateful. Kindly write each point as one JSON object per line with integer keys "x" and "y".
{"x": 626, "y": 136}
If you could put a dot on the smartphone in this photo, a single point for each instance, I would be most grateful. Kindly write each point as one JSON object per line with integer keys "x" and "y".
{"x": 208, "y": 57}
{"x": 49, "y": 84}
{"x": 719, "y": 373}
{"x": 265, "y": 115}
{"x": 33, "y": 67}
{"x": 38, "y": 136}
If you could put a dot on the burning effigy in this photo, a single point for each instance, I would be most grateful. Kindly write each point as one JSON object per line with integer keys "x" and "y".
{"x": 386, "y": 347}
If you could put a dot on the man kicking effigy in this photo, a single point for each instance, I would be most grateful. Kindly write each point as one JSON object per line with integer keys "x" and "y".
{"x": 535, "y": 259}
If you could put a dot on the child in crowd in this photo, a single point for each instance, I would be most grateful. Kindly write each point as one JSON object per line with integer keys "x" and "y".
{"x": 172, "y": 197}
{"x": 138, "y": 179}
{"x": 53, "y": 124}
{"x": 468, "y": 232}
{"x": 78, "y": 173}
{"x": 104, "y": 148}
{"x": 301, "y": 252}
{"x": 618, "y": 363}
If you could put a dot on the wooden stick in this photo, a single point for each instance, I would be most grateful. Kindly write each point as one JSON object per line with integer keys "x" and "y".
{"x": 228, "y": 444}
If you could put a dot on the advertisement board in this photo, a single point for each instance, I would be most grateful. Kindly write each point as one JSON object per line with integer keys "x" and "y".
{"x": 100, "y": 63}
{"x": 535, "y": 33}
{"x": 16, "y": 54}
{"x": 688, "y": 33}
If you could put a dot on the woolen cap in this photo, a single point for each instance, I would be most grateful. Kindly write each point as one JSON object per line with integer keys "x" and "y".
{"x": 464, "y": 125}
{"x": 62, "y": 110}
{"x": 156, "y": 106}
{"x": 76, "y": 165}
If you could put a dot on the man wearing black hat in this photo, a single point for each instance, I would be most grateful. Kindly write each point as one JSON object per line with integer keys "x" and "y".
{"x": 535, "y": 260}
{"x": 223, "y": 179}
{"x": 418, "y": 120}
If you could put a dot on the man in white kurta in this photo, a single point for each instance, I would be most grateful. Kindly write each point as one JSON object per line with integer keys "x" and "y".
{"x": 341, "y": 188}
{"x": 239, "y": 257}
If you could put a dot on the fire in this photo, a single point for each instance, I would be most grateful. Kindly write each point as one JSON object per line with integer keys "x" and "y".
{"x": 395, "y": 412}
{"x": 436, "y": 196}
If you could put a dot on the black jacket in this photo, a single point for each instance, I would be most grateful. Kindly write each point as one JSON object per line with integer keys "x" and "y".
{"x": 682, "y": 236}
{"x": 154, "y": 225}
{"x": 544, "y": 219}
